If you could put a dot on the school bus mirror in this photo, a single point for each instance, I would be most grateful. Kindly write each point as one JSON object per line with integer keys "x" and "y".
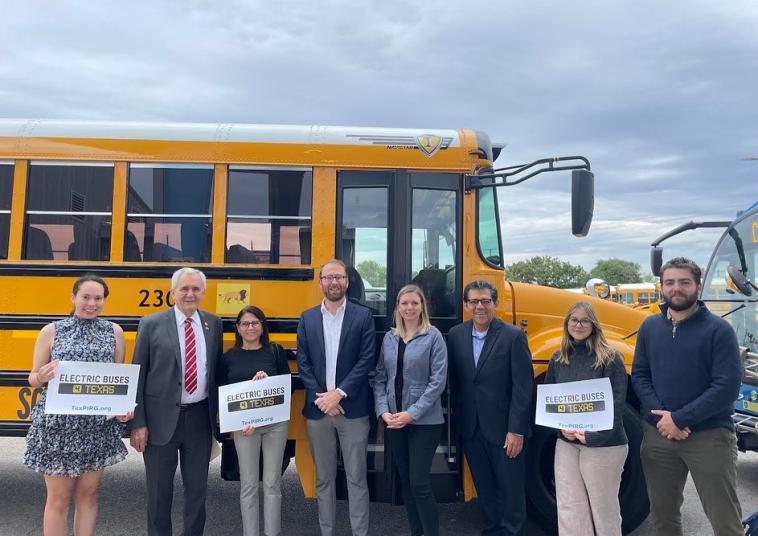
{"x": 582, "y": 201}
{"x": 656, "y": 260}
{"x": 737, "y": 282}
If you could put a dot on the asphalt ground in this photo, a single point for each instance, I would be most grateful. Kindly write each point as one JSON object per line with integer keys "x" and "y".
{"x": 122, "y": 503}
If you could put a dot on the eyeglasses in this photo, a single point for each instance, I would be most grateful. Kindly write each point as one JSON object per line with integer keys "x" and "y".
{"x": 249, "y": 324}
{"x": 580, "y": 322}
{"x": 484, "y": 301}
{"x": 331, "y": 278}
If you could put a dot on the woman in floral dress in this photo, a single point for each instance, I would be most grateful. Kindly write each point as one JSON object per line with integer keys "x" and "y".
{"x": 71, "y": 451}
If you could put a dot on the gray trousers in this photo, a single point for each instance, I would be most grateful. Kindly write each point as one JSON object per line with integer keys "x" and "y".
{"x": 587, "y": 483}
{"x": 271, "y": 439}
{"x": 711, "y": 457}
{"x": 353, "y": 440}
{"x": 190, "y": 447}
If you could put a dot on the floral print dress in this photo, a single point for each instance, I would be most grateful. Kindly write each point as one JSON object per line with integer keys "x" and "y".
{"x": 70, "y": 445}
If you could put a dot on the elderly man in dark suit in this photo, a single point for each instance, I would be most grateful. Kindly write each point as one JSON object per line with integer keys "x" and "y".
{"x": 176, "y": 402}
{"x": 492, "y": 377}
{"x": 335, "y": 353}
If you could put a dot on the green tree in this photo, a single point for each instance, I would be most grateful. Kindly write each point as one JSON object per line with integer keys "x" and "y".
{"x": 649, "y": 278}
{"x": 547, "y": 271}
{"x": 615, "y": 271}
{"x": 373, "y": 272}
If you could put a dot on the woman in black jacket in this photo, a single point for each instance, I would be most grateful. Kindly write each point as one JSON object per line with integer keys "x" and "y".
{"x": 254, "y": 357}
{"x": 588, "y": 465}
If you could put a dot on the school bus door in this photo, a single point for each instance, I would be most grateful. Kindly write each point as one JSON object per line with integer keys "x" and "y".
{"x": 394, "y": 228}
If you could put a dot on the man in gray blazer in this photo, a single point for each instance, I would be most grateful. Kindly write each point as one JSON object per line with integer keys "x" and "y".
{"x": 176, "y": 402}
{"x": 336, "y": 350}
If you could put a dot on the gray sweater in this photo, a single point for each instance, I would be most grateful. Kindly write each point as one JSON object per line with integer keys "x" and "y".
{"x": 580, "y": 367}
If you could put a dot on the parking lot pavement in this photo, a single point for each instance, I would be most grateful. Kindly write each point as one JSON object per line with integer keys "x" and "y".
{"x": 122, "y": 503}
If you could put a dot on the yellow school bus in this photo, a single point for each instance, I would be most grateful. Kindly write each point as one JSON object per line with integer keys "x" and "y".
{"x": 258, "y": 209}
{"x": 638, "y": 294}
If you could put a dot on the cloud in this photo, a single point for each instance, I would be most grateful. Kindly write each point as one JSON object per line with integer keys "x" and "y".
{"x": 659, "y": 96}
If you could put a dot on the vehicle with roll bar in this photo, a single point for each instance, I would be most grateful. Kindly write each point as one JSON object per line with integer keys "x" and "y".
{"x": 729, "y": 290}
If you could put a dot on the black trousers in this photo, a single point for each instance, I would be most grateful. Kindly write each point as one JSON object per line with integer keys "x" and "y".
{"x": 500, "y": 485}
{"x": 412, "y": 450}
{"x": 190, "y": 446}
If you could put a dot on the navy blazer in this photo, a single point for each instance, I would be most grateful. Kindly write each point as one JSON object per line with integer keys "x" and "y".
{"x": 497, "y": 393}
{"x": 356, "y": 358}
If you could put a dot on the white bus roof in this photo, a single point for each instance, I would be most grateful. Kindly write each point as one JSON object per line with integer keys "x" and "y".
{"x": 219, "y": 132}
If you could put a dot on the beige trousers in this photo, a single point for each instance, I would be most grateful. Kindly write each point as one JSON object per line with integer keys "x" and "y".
{"x": 271, "y": 439}
{"x": 587, "y": 483}
{"x": 353, "y": 443}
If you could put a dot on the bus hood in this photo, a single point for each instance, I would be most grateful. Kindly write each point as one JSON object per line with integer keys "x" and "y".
{"x": 540, "y": 312}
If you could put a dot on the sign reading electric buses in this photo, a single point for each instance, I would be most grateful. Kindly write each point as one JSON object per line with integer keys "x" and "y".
{"x": 255, "y": 403}
{"x": 582, "y": 406}
{"x": 92, "y": 389}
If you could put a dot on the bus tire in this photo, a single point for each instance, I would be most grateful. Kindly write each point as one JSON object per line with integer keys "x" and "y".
{"x": 230, "y": 470}
{"x": 540, "y": 480}
{"x": 633, "y": 493}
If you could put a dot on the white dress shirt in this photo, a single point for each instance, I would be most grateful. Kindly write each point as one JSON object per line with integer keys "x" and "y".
{"x": 200, "y": 357}
{"x": 332, "y": 330}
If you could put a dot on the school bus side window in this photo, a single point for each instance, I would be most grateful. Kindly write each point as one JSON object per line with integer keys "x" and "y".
{"x": 169, "y": 213}
{"x": 68, "y": 211}
{"x": 6, "y": 187}
{"x": 268, "y": 216}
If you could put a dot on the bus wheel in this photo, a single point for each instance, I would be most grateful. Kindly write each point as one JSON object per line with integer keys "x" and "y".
{"x": 230, "y": 463}
{"x": 633, "y": 493}
{"x": 540, "y": 480}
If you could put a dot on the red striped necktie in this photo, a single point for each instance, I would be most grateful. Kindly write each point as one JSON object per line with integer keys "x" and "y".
{"x": 190, "y": 359}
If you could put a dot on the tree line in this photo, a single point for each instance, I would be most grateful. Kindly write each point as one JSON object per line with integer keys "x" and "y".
{"x": 542, "y": 270}
{"x": 554, "y": 272}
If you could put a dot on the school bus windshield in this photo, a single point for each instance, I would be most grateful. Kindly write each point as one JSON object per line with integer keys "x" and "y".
{"x": 488, "y": 224}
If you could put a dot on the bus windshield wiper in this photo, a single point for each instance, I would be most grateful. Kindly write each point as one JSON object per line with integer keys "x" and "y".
{"x": 740, "y": 306}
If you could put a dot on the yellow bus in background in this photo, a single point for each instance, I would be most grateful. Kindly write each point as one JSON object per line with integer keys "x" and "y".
{"x": 258, "y": 209}
{"x": 631, "y": 294}
{"x": 637, "y": 294}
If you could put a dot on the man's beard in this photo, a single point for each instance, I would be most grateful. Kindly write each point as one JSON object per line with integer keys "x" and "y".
{"x": 683, "y": 306}
{"x": 335, "y": 296}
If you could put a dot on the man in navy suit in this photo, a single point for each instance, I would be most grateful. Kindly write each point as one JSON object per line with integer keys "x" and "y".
{"x": 335, "y": 353}
{"x": 492, "y": 377}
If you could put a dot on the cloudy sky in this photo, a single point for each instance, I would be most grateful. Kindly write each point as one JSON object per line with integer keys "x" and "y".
{"x": 662, "y": 97}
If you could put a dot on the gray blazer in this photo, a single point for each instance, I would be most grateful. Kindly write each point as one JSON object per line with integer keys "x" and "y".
{"x": 159, "y": 391}
{"x": 424, "y": 377}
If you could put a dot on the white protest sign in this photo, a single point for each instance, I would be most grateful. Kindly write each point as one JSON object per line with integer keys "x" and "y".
{"x": 257, "y": 403}
{"x": 581, "y": 406}
{"x": 81, "y": 388}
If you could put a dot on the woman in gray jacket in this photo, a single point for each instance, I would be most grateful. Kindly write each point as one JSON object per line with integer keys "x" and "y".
{"x": 409, "y": 403}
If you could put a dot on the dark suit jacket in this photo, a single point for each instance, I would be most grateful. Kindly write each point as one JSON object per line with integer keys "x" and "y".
{"x": 356, "y": 358}
{"x": 498, "y": 392}
{"x": 158, "y": 353}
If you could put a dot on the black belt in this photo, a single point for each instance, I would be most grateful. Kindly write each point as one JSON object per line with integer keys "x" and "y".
{"x": 185, "y": 407}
